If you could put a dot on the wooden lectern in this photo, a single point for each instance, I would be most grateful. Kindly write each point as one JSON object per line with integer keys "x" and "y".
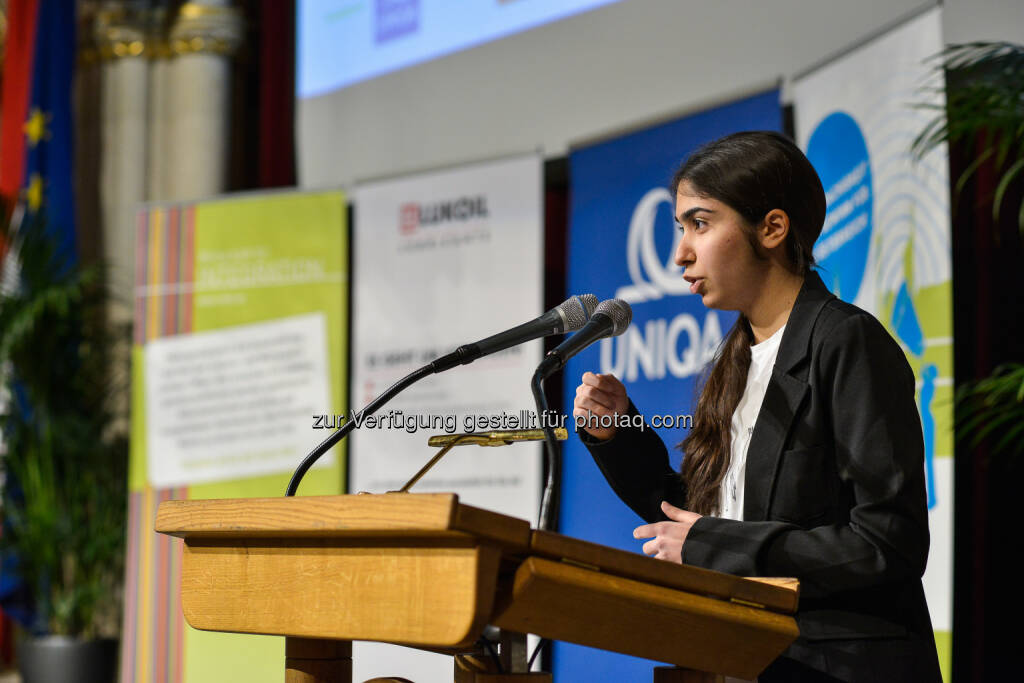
{"x": 426, "y": 571}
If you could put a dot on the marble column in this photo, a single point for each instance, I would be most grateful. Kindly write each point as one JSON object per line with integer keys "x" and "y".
{"x": 121, "y": 42}
{"x": 202, "y": 38}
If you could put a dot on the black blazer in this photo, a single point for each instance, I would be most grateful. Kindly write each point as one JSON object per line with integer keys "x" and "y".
{"x": 834, "y": 496}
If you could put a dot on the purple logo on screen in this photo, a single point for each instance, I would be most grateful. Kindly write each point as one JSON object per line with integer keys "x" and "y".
{"x": 396, "y": 18}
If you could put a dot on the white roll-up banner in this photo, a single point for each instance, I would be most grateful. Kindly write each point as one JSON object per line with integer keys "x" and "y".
{"x": 442, "y": 259}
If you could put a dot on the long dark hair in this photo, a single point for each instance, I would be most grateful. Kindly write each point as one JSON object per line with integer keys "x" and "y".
{"x": 752, "y": 172}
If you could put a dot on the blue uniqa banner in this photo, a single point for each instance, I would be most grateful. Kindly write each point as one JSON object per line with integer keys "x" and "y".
{"x": 621, "y": 241}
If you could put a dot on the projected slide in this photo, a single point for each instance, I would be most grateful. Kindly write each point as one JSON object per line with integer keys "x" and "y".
{"x": 341, "y": 42}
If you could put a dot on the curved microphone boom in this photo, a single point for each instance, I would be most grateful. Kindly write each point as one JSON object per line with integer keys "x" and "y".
{"x": 611, "y": 318}
{"x": 568, "y": 316}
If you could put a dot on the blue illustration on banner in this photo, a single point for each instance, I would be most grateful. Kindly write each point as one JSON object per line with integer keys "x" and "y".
{"x": 928, "y": 375}
{"x": 839, "y": 153}
{"x": 905, "y": 322}
{"x": 906, "y": 325}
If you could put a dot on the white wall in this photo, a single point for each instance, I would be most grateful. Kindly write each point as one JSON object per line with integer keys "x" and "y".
{"x": 595, "y": 74}
{"x": 969, "y": 20}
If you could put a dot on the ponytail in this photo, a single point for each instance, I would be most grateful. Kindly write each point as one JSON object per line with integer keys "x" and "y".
{"x": 709, "y": 443}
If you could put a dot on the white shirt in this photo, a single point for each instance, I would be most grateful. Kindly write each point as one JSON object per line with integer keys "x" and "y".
{"x": 762, "y": 360}
{"x": 730, "y": 496}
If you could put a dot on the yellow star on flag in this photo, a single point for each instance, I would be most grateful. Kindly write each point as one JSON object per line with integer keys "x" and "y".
{"x": 34, "y": 192}
{"x": 36, "y": 127}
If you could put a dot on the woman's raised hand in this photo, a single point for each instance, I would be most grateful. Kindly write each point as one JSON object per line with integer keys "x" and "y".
{"x": 599, "y": 396}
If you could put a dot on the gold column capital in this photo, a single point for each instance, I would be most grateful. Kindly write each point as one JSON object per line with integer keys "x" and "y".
{"x": 205, "y": 28}
{"x": 118, "y": 33}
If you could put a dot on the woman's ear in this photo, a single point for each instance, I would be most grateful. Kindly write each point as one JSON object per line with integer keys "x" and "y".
{"x": 774, "y": 229}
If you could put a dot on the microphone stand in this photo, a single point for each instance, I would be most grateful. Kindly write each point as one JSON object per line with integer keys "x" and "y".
{"x": 465, "y": 354}
{"x": 547, "y": 518}
{"x": 340, "y": 434}
{"x": 611, "y": 317}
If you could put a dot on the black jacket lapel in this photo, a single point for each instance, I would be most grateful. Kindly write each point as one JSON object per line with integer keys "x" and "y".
{"x": 785, "y": 392}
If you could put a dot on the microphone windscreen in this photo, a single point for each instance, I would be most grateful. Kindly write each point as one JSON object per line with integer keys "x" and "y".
{"x": 620, "y": 313}
{"x": 576, "y": 311}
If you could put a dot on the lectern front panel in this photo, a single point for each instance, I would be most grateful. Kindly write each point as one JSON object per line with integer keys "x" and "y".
{"x": 439, "y": 596}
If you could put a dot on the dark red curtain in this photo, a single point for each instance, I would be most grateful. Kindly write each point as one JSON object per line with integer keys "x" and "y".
{"x": 263, "y": 98}
{"x": 988, "y": 318}
{"x": 277, "y": 93}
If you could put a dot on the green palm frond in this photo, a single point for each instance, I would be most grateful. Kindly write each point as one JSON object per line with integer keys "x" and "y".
{"x": 993, "y": 407}
{"x": 984, "y": 110}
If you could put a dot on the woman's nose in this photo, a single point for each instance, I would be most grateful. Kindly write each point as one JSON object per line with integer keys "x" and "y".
{"x": 684, "y": 251}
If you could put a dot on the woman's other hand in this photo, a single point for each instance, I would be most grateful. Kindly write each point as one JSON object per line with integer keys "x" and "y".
{"x": 599, "y": 396}
{"x": 667, "y": 538}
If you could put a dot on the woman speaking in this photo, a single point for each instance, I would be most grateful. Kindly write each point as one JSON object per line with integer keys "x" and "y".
{"x": 806, "y": 456}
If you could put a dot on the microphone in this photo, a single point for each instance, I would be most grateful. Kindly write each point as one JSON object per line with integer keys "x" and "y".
{"x": 610, "y": 319}
{"x": 568, "y": 316}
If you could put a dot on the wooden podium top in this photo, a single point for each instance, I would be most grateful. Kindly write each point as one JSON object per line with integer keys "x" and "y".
{"x": 353, "y": 516}
{"x": 441, "y": 515}
{"x": 777, "y": 595}
{"x": 428, "y": 571}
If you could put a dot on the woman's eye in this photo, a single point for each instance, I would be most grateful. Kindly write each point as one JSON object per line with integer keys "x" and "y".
{"x": 698, "y": 224}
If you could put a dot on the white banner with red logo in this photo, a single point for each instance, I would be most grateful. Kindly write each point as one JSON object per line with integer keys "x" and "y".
{"x": 443, "y": 259}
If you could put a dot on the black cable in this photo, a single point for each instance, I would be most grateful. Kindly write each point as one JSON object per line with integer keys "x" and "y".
{"x": 338, "y": 435}
{"x": 489, "y": 646}
{"x": 548, "y": 514}
{"x": 536, "y": 651}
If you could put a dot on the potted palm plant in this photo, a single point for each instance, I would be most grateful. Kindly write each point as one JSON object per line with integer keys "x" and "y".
{"x": 984, "y": 114}
{"x": 64, "y": 498}
{"x": 983, "y": 122}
